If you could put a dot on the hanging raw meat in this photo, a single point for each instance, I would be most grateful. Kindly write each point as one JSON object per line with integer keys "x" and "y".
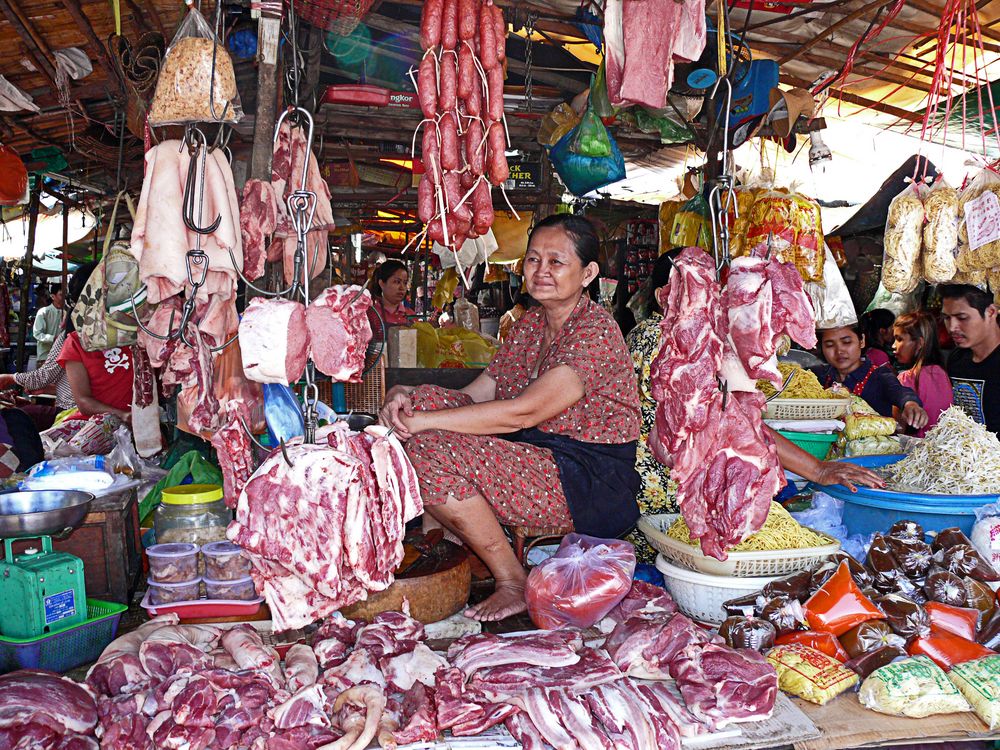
{"x": 339, "y": 332}
{"x": 258, "y": 220}
{"x": 273, "y": 340}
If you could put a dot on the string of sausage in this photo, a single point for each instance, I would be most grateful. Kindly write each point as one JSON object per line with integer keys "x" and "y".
{"x": 460, "y": 87}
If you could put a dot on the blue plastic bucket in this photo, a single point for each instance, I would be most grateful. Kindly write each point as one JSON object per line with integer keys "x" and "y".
{"x": 869, "y": 510}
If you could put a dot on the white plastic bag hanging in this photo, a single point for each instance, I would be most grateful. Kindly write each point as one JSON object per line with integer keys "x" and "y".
{"x": 830, "y": 299}
{"x": 186, "y": 90}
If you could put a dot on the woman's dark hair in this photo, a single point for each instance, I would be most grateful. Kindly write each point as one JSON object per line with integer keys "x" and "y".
{"x": 585, "y": 240}
{"x": 872, "y": 323}
{"x": 922, "y": 328}
{"x": 75, "y": 288}
{"x": 661, "y": 274}
{"x": 383, "y": 272}
{"x": 856, "y": 328}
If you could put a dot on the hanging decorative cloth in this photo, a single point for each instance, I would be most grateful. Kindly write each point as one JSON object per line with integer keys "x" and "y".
{"x": 12, "y": 99}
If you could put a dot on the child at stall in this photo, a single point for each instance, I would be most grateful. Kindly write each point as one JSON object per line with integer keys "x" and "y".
{"x": 916, "y": 347}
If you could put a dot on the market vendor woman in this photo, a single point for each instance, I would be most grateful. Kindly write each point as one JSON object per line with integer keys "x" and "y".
{"x": 546, "y": 436}
{"x": 878, "y": 386}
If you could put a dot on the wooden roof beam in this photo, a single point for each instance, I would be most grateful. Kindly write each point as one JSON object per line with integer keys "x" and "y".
{"x": 861, "y": 101}
{"x": 37, "y": 48}
{"x": 75, "y": 10}
{"x": 860, "y": 12}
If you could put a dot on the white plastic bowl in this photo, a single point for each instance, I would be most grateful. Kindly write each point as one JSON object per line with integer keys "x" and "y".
{"x": 700, "y": 596}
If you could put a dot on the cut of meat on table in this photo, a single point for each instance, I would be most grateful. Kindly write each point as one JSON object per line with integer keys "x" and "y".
{"x": 258, "y": 220}
{"x": 522, "y": 730}
{"x": 359, "y": 710}
{"x": 722, "y": 685}
{"x": 642, "y": 600}
{"x": 622, "y": 715}
{"x": 644, "y": 647}
{"x": 418, "y": 665}
{"x": 552, "y": 648}
{"x": 43, "y": 710}
{"x": 274, "y": 340}
{"x": 594, "y": 668}
{"x": 453, "y": 703}
{"x": 301, "y": 667}
{"x": 493, "y": 714}
{"x": 417, "y": 721}
{"x": 662, "y": 702}
{"x": 307, "y": 706}
{"x": 339, "y": 331}
{"x": 118, "y": 669}
{"x": 247, "y": 648}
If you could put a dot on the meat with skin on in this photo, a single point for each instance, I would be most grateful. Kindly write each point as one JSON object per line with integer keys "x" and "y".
{"x": 274, "y": 340}
{"x": 307, "y": 706}
{"x": 645, "y": 646}
{"x": 45, "y": 699}
{"x": 553, "y": 648}
{"x": 339, "y": 331}
{"x": 301, "y": 667}
{"x": 258, "y": 220}
{"x": 594, "y": 668}
{"x": 522, "y": 730}
{"x": 418, "y": 665}
{"x": 118, "y": 669}
{"x": 248, "y": 650}
{"x": 417, "y": 722}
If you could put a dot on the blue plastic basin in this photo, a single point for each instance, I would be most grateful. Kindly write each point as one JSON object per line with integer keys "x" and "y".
{"x": 869, "y": 510}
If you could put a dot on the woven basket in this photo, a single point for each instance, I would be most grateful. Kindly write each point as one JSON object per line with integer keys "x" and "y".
{"x": 368, "y": 395}
{"x": 339, "y": 17}
{"x": 806, "y": 408}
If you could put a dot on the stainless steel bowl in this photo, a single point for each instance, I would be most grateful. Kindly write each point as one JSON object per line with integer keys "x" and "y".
{"x": 42, "y": 512}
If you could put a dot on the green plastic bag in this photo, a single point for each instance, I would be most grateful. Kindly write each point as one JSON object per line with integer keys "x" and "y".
{"x": 652, "y": 121}
{"x": 599, "y": 95}
{"x": 591, "y": 137}
{"x": 192, "y": 464}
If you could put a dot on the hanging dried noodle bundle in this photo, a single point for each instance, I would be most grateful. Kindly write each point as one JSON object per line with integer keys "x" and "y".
{"x": 940, "y": 233}
{"x": 903, "y": 230}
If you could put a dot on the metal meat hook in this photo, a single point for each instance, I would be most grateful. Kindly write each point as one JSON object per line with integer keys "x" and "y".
{"x": 298, "y": 112}
{"x": 191, "y": 182}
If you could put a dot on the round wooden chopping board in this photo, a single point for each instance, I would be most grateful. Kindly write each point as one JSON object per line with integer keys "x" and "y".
{"x": 436, "y": 585}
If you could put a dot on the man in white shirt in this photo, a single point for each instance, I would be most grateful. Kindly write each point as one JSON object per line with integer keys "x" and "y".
{"x": 48, "y": 323}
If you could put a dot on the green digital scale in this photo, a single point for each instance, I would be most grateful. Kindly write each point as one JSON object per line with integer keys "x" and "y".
{"x": 41, "y": 589}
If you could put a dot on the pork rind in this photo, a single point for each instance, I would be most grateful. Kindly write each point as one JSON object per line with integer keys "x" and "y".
{"x": 914, "y": 687}
{"x": 903, "y": 240}
{"x": 184, "y": 90}
{"x": 971, "y": 256}
{"x": 979, "y": 682}
{"x": 940, "y": 233}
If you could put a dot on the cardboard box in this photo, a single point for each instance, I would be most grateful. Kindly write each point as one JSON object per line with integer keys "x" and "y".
{"x": 402, "y": 347}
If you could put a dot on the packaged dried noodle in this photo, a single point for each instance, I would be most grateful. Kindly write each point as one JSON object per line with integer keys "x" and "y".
{"x": 940, "y": 232}
{"x": 810, "y": 674}
{"x": 979, "y": 682}
{"x": 912, "y": 687}
{"x": 980, "y": 210}
{"x": 667, "y": 214}
{"x": 186, "y": 90}
{"x": 793, "y": 223}
{"x": 993, "y": 278}
{"x": 903, "y": 240}
{"x": 745, "y": 198}
{"x": 692, "y": 226}
{"x": 865, "y": 425}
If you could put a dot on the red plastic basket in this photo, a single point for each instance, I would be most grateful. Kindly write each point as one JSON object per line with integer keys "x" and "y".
{"x": 339, "y": 17}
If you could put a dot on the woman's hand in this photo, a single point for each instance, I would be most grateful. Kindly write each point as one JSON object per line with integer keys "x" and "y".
{"x": 848, "y": 474}
{"x": 914, "y": 415}
{"x": 397, "y": 407}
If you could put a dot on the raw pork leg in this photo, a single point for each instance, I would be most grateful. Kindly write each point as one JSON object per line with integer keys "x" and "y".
{"x": 339, "y": 331}
{"x": 301, "y": 667}
{"x": 248, "y": 650}
{"x": 273, "y": 340}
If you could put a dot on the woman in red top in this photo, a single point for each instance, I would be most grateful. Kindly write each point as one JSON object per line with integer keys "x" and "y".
{"x": 546, "y": 436}
{"x": 388, "y": 286}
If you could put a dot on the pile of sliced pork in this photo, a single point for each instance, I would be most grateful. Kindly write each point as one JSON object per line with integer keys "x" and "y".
{"x": 657, "y": 679}
{"x": 714, "y": 344}
{"x": 323, "y": 524}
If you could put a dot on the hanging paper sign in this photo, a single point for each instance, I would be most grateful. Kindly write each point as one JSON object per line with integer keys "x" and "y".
{"x": 982, "y": 219}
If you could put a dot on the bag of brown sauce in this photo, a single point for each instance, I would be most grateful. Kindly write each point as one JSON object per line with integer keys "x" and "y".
{"x": 747, "y": 632}
{"x": 905, "y": 616}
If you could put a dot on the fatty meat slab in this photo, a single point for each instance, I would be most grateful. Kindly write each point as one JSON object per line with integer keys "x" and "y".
{"x": 45, "y": 711}
{"x": 274, "y": 340}
{"x": 339, "y": 332}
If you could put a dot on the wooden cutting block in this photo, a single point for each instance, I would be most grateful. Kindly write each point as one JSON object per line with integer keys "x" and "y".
{"x": 436, "y": 586}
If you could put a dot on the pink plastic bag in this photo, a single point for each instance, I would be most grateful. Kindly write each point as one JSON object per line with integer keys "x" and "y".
{"x": 581, "y": 583}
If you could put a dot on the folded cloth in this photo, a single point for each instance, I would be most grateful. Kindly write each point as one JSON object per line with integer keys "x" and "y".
{"x": 805, "y": 425}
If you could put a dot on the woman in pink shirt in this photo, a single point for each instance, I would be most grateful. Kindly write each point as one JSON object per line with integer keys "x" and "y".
{"x": 916, "y": 347}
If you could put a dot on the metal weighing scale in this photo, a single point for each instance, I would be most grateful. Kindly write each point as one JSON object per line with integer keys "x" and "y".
{"x": 41, "y": 590}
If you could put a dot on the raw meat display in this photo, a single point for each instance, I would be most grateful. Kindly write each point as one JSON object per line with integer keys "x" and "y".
{"x": 258, "y": 220}
{"x": 350, "y": 521}
{"x": 289, "y": 161}
{"x": 593, "y": 668}
{"x": 554, "y": 649}
{"x": 645, "y": 646}
{"x": 644, "y": 74}
{"x": 714, "y": 343}
{"x": 40, "y": 710}
{"x": 581, "y": 583}
{"x": 339, "y": 331}
{"x": 273, "y": 340}
{"x": 460, "y": 88}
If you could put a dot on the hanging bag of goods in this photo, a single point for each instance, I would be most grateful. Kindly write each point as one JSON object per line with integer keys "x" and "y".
{"x": 187, "y": 90}
{"x": 13, "y": 177}
{"x": 903, "y": 240}
{"x": 940, "y": 233}
{"x": 980, "y": 234}
{"x": 793, "y": 223}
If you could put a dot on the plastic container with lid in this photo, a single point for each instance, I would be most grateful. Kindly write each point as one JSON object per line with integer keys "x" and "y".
{"x": 193, "y": 513}
{"x": 225, "y": 561}
{"x": 173, "y": 563}
{"x": 168, "y": 593}
{"x": 238, "y": 590}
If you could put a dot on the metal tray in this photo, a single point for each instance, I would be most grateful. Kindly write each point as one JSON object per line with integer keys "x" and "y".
{"x": 42, "y": 512}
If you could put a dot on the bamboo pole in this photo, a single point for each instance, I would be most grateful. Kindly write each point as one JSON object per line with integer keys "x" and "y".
{"x": 26, "y": 264}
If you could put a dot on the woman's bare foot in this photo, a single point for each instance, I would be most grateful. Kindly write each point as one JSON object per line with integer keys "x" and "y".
{"x": 507, "y": 600}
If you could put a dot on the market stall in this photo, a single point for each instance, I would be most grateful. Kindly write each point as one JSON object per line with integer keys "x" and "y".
{"x": 314, "y": 224}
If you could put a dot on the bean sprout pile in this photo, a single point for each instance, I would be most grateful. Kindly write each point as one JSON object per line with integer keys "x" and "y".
{"x": 957, "y": 457}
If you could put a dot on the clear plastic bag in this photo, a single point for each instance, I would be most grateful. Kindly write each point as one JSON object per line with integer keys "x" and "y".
{"x": 830, "y": 299}
{"x": 556, "y": 124}
{"x": 186, "y": 90}
{"x": 903, "y": 240}
{"x": 980, "y": 208}
{"x": 581, "y": 583}
{"x": 940, "y": 232}
{"x": 599, "y": 94}
{"x": 123, "y": 459}
{"x": 793, "y": 224}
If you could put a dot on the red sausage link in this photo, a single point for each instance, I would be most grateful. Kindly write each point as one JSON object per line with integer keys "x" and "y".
{"x": 459, "y": 216}
{"x": 466, "y": 179}
{"x": 482, "y": 207}
{"x": 431, "y": 154}
{"x": 449, "y": 83}
{"x": 468, "y": 16}
{"x": 500, "y": 33}
{"x": 496, "y": 163}
{"x": 474, "y": 147}
{"x": 449, "y": 25}
{"x": 450, "y": 154}
{"x": 487, "y": 38}
{"x": 430, "y": 24}
{"x": 466, "y": 72}
{"x": 435, "y": 231}
{"x": 425, "y": 199}
{"x": 427, "y": 85}
{"x": 494, "y": 80}
{"x": 474, "y": 103}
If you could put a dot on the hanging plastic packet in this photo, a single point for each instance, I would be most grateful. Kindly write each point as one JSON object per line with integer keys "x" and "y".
{"x": 691, "y": 225}
{"x": 839, "y": 604}
{"x": 582, "y": 174}
{"x": 979, "y": 682}
{"x": 186, "y": 90}
{"x": 940, "y": 232}
{"x": 591, "y": 137}
{"x": 599, "y": 101}
{"x": 826, "y": 643}
{"x": 810, "y": 674}
{"x": 902, "y": 241}
{"x": 556, "y": 124}
{"x": 912, "y": 687}
{"x": 783, "y": 613}
{"x": 913, "y": 555}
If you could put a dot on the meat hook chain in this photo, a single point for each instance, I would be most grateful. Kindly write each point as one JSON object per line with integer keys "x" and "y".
{"x": 721, "y": 196}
